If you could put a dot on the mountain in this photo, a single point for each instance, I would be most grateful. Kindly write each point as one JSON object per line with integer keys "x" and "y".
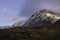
{"x": 42, "y": 18}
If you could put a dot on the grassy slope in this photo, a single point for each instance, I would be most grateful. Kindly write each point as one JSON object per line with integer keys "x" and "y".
{"x": 39, "y": 33}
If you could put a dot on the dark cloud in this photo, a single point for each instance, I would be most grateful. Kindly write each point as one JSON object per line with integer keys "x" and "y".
{"x": 32, "y": 6}
{"x": 28, "y": 8}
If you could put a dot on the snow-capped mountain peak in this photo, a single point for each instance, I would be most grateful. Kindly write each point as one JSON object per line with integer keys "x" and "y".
{"x": 43, "y": 17}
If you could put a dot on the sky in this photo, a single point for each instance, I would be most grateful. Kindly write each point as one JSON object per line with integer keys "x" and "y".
{"x": 12, "y": 11}
{"x": 9, "y": 11}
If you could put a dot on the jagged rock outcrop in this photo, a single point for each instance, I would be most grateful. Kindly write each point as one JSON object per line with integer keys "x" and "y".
{"x": 57, "y": 23}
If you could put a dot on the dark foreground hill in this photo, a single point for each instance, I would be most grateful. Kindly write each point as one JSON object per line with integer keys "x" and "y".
{"x": 33, "y": 33}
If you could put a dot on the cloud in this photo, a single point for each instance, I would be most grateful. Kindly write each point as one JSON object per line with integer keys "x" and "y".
{"x": 15, "y": 19}
{"x": 5, "y": 11}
